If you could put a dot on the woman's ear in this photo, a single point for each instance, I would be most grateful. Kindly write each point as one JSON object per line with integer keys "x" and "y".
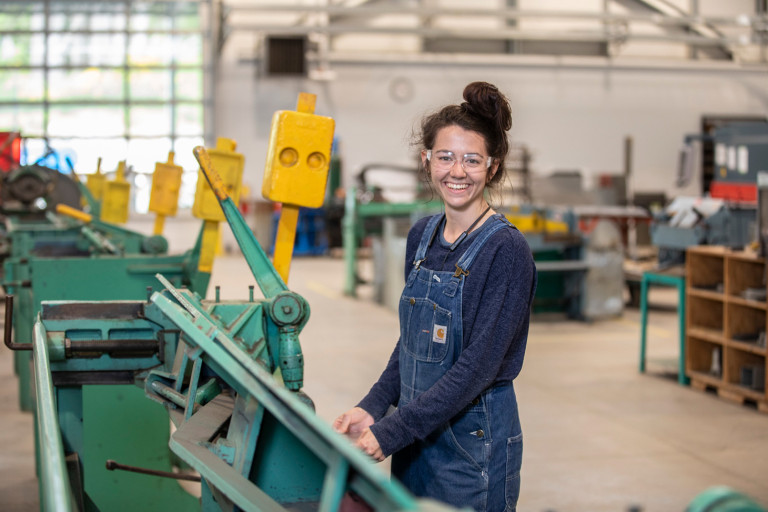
{"x": 424, "y": 161}
{"x": 492, "y": 171}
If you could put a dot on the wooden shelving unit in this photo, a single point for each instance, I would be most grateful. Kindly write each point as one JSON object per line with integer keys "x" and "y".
{"x": 726, "y": 323}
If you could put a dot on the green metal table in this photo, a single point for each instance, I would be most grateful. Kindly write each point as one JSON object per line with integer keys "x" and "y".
{"x": 670, "y": 277}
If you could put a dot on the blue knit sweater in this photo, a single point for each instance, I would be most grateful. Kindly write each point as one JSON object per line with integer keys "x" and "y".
{"x": 496, "y": 309}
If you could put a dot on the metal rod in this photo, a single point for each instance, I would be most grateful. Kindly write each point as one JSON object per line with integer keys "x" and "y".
{"x": 8, "y": 327}
{"x": 52, "y": 470}
{"x": 111, "y": 345}
{"x": 112, "y": 465}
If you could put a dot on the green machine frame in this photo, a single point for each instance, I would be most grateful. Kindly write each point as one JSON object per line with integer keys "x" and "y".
{"x": 58, "y": 258}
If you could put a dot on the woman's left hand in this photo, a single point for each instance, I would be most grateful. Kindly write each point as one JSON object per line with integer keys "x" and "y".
{"x": 370, "y": 445}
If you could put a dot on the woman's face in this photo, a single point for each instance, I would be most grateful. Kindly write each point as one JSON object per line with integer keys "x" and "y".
{"x": 460, "y": 186}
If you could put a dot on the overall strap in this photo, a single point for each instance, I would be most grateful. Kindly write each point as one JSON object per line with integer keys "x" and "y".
{"x": 498, "y": 222}
{"x": 430, "y": 230}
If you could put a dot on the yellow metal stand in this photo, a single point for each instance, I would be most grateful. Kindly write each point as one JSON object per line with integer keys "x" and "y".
{"x": 297, "y": 170}
{"x": 208, "y": 248}
{"x": 164, "y": 197}
{"x": 285, "y": 239}
{"x": 117, "y": 194}
{"x": 95, "y": 183}
{"x": 229, "y": 166}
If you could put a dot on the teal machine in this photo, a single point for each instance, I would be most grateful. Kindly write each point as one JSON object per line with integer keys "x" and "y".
{"x": 229, "y": 374}
{"x": 54, "y": 257}
{"x": 58, "y": 258}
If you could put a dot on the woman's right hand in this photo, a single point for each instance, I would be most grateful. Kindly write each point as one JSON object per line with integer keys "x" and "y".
{"x": 353, "y": 423}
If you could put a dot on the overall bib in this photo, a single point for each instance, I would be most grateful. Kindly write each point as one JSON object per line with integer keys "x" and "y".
{"x": 473, "y": 460}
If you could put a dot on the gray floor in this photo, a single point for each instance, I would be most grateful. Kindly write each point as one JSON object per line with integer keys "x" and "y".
{"x": 599, "y": 436}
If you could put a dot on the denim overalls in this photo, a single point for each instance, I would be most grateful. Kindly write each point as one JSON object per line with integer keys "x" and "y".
{"x": 474, "y": 460}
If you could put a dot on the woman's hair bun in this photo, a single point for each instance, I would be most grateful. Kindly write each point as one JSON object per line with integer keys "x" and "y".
{"x": 485, "y": 100}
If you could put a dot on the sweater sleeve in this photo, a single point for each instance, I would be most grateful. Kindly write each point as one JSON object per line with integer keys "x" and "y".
{"x": 386, "y": 391}
{"x": 499, "y": 326}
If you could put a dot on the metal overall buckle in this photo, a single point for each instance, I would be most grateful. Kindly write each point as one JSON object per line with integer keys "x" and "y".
{"x": 460, "y": 271}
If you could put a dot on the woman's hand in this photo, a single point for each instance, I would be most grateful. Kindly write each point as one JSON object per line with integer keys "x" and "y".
{"x": 353, "y": 422}
{"x": 370, "y": 445}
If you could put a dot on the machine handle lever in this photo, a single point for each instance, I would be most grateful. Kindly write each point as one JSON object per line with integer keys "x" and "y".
{"x": 267, "y": 277}
{"x": 112, "y": 465}
{"x": 8, "y": 331}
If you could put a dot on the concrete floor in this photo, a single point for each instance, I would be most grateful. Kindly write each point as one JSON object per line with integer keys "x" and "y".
{"x": 599, "y": 436}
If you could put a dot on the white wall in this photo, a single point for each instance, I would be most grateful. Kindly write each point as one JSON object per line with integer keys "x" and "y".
{"x": 572, "y": 114}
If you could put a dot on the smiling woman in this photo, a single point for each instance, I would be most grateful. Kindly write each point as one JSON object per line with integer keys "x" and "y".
{"x": 455, "y": 434}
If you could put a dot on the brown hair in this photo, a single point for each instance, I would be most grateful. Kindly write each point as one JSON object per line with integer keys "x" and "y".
{"x": 485, "y": 110}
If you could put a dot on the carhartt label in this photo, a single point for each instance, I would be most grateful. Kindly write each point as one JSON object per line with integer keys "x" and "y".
{"x": 438, "y": 335}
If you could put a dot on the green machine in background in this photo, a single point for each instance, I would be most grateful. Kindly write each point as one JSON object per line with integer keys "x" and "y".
{"x": 58, "y": 258}
{"x": 51, "y": 256}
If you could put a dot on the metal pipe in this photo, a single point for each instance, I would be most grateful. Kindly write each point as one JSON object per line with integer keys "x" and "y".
{"x": 56, "y": 492}
{"x": 110, "y": 346}
{"x": 112, "y": 465}
{"x": 367, "y": 11}
{"x": 8, "y": 327}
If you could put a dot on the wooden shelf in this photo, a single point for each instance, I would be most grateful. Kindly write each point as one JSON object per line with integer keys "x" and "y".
{"x": 705, "y": 294}
{"x": 712, "y": 335}
{"x": 718, "y": 318}
{"x": 705, "y": 378}
{"x": 747, "y": 347}
{"x": 747, "y": 302}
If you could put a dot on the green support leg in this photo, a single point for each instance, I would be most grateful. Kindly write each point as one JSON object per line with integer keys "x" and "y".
{"x": 678, "y": 282}
{"x": 643, "y": 319}
{"x": 682, "y": 379}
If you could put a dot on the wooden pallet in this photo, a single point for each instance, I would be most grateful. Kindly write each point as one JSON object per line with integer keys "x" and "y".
{"x": 729, "y": 394}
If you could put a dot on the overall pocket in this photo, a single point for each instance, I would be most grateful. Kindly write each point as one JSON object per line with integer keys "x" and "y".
{"x": 424, "y": 329}
{"x": 514, "y": 463}
{"x": 467, "y": 433}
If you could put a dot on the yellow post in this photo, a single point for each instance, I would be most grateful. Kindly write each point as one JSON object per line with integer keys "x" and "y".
{"x": 296, "y": 171}
{"x": 229, "y": 165}
{"x": 117, "y": 195}
{"x": 164, "y": 197}
{"x": 95, "y": 183}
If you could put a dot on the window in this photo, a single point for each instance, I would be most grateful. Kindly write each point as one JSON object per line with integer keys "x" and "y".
{"x": 120, "y": 80}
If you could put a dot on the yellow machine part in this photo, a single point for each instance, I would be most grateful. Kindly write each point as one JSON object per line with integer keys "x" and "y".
{"x": 95, "y": 183}
{"x": 229, "y": 165}
{"x": 164, "y": 196}
{"x": 117, "y": 195}
{"x": 535, "y": 223}
{"x": 298, "y": 155}
{"x": 63, "y": 209}
{"x": 166, "y": 183}
{"x": 296, "y": 172}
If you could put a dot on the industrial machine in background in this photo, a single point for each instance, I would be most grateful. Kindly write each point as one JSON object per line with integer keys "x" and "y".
{"x": 727, "y": 214}
{"x": 32, "y": 190}
{"x": 28, "y": 192}
{"x": 68, "y": 254}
